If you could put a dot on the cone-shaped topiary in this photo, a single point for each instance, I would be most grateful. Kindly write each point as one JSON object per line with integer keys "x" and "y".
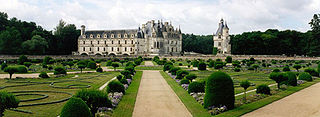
{"x": 75, "y": 107}
{"x": 219, "y": 91}
{"x": 292, "y": 79}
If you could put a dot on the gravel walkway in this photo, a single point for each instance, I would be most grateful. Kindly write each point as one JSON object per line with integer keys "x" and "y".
{"x": 305, "y": 103}
{"x": 157, "y": 99}
{"x": 148, "y": 63}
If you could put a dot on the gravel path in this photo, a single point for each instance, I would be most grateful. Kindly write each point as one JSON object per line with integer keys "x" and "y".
{"x": 305, "y": 103}
{"x": 156, "y": 98}
{"x": 148, "y": 63}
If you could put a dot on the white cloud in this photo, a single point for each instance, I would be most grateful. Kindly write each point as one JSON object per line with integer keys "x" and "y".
{"x": 199, "y": 17}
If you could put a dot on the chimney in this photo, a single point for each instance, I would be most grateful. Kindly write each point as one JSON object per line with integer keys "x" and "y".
{"x": 83, "y": 29}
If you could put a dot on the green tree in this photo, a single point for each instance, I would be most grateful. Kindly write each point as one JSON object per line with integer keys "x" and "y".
{"x": 115, "y": 65}
{"x": 81, "y": 64}
{"x": 10, "y": 41}
{"x": 278, "y": 77}
{"x": 297, "y": 67}
{"x": 315, "y": 43}
{"x": 7, "y": 101}
{"x": 37, "y": 45}
{"x": 27, "y": 64}
{"x": 22, "y": 59}
{"x": 10, "y": 70}
{"x": 245, "y": 85}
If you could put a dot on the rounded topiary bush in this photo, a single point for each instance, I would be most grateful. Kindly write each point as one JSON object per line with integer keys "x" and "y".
{"x": 99, "y": 69}
{"x": 59, "y": 70}
{"x": 191, "y": 76}
{"x": 312, "y": 71}
{"x": 115, "y": 86}
{"x": 43, "y": 75}
{"x": 292, "y": 79}
{"x": 124, "y": 81}
{"x": 22, "y": 69}
{"x": 75, "y": 107}
{"x": 263, "y": 89}
{"x": 181, "y": 74}
{"x": 173, "y": 70}
{"x": 92, "y": 65}
{"x": 184, "y": 81}
{"x": 286, "y": 68}
{"x": 219, "y": 91}
{"x": 275, "y": 70}
{"x": 196, "y": 87}
{"x": 202, "y": 66}
{"x": 236, "y": 69}
{"x": 305, "y": 76}
{"x": 119, "y": 77}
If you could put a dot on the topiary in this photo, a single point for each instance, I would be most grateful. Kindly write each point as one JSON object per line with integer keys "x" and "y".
{"x": 286, "y": 68}
{"x": 3, "y": 65}
{"x": 250, "y": 68}
{"x": 195, "y": 63}
{"x": 10, "y": 70}
{"x": 202, "y": 66}
{"x": 191, "y": 76}
{"x": 278, "y": 77}
{"x": 22, "y": 59}
{"x": 115, "y": 86}
{"x": 167, "y": 66}
{"x": 59, "y": 70}
{"x": 219, "y": 91}
{"x": 218, "y": 65}
{"x": 312, "y": 71}
{"x": 236, "y": 69}
{"x": 263, "y": 89}
{"x": 119, "y": 77}
{"x": 124, "y": 81}
{"x": 108, "y": 63}
{"x": 75, "y": 107}
{"x": 305, "y": 76}
{"x": 43, "y": 75}
{"x": 130, "y": 69}
{"x": 196, "y": 87}
{"x": 184, "y": 81}
{"x": 292, "y": 79}
{"x": 92, "y": 65}
{"x": 27, "y": 64}
{"x": 211, "y": 63}
{"x": 22, "y": 69}
{"x": 173, "y": 70}
{"x": 181, "y": 74}
{"x": 7, "y": 101}
{"x": 275, "y": 70}
{"x": 229, "y": 59}
{"x": 99, "y": 69}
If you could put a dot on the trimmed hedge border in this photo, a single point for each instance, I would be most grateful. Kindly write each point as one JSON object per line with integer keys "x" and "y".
{"x": 74, "y": 86}
{"x": 40, "y": 98}
{"x": 44, "y": 103}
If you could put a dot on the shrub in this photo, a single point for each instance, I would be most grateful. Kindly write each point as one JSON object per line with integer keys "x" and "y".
{"x": 319, "y": 68}
{"x": 202, "y": 66}
{"x": 119, "y": 77}
{"x": 27, "y": 64}
{"x": 43, "y": 75}
{"x": 184, "y": 81}
{"x": 305, "y": 76}
{"x": 245, "y": 85}
{"x": 167, "y": 66}
{"x": 250, "y": 68}
{"x": 81, "y": 65}
{"x": 229, "y": 59}
{"x": 236, "y": 63}
{"x": 173, "y": 70}
{"x": 7, "y": 101}
{"x": 180, "y": 64}
{"x": 92, "y": 65}
{"x": 218, "y": 65}
{"x": 196, "y": 87}
{"x": 278, "y": 77}
{"x": 22, "y": 59}
{"x": 297, "y": 66}
{"x": 130, "y": 69}
{"x": 219, "y": 91}
{"x": 46, "y": 60}
{"x": 59, "y": 70}
{"x": 109, "y": 62}
{"x": 99, "y": 69}
{"x": 211, "y": 64}
{"x": 75, "y": 107}
{"x": 22, "y": 69}
{"x": 236, "y": 69}
{"x": 312, "y": 72}
{"x": 286, "y": 68}
{"x": 275, "y": 70}
{"x": 3, "y": 65}
{"x": 115, "y": 65}
{"x": 263, "y": 89}
{"x": 292, "y": 79}
{"x": 181, "y": 74}
{"x": 94, "y": 99}
{"x": 124, "y": 81}
{"x": 191, "y": 77}
{"x": 195, "y": 63}
{"x": 115, "y": 86}
{"x": 138, "y": 61}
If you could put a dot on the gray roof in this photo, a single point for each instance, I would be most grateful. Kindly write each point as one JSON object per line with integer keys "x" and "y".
{"x": 109, "y": 32}
{"x": 221, "y": 26}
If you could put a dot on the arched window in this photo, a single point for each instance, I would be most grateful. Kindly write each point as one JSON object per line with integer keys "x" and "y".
{"x": 105, "y": 42}
{"x": 111, "y": 48}
{"x": 84, "y": 42}
{"x": 105, "y": 35}
{"x": 112, "y": 42}
{"x": 125, "y": 36}
{"x": 118, "y": 49}
{"x": 98, "y": 36}
{"x": 132, "y": 35}
{"x": 84, "y": 48}
{"x": 91, "y": 36}
{"x": 112, "y": 35}
{"x": 104, "y": 49}
{"x": 119, "y": 35}
{"x": 97, "y": 48}
{"x": 91, "y": 42}
{"x": 131, "y": 41}
{"x": 125, "y": 48}
{"x": 90, "y": 49}
{"x": 98, "y": 42}
{"x": 119, "y": 42}
{"x": 125, "y": 41}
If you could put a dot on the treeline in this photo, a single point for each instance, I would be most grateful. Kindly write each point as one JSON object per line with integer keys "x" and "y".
{"x": 21, "y": 37}
{"x": 197, "y": 43}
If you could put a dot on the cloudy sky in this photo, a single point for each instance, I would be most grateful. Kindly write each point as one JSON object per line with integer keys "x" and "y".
{"x": 193, "y": 16}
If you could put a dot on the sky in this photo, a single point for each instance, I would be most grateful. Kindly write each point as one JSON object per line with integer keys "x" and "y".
{"x": 193, "y": 16}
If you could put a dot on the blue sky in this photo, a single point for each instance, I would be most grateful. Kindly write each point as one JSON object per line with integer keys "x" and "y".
{"x": 193, "y": 16}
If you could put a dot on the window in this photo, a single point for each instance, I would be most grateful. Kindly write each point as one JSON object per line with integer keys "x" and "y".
{"x": 104, "y": 49}
{"x": 91, "y": 42}
{"x": 112, "y": 42}
{"x": 119, "y": 35}
{"x": 105, "y": 35}
{"x": 98, "y": 42}
{"x": 125, "y": 49}
{"x": 118, "y": 49}
{"x": 97, "y": 48}
{"x": 176, "y": 49}
{"x": 84, "y": 36}
{"x": 131, "y": 41}
{"x": 90, "y": 49}
{"x": 219, "y": 44}
{"x": 91, "y": 36}
{"x": 84, "y": 48}
{"x": 130, "y": 49}
{"x": 111, "y": 48}
{"x": 105, "y": 42}
{"x": 84, "y": 42}
{"x": 125, "y": 36}
{"x": 119, "y": 42}
{"x": 132, "y": 35}
{"x": 98, "y": 36}
{"x": 171, "y": 49}
{"x": 112, "y": 35}
{"x": 125, "y": 41}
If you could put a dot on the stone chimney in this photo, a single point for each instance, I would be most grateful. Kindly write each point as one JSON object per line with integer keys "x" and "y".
{"x": 83, "y": 29}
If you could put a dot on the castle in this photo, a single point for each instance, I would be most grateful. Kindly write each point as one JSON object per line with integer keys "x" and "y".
{"x": 221, "y": 40}
{"x": 153, "y": 38}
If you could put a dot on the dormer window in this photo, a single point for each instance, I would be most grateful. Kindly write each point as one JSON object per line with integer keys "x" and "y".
{"x": 119, "y": 35}
{"x": 112, "y": 35}
{"x": 132, "y": 35}
{"x": 125, "y": 36}
{"x": 84, "y": 36}
{"x": 98, "y": 36}
{"x": 105, "y": 36}
{"x": 91, "y": 36}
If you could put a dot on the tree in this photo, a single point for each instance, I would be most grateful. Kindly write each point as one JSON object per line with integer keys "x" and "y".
{"x": 245, "y": 85}
{"x": 94, "y": 99}
{"x": 297, "y": 67}
{"x": 75, "y": 107}
{"x": 10, "y": 41}
{"x": 22, "y": 59}
{"x": 7, "y": 101}
{"x": 11, "y": 70}
{"x": 314, "y": 45}
{"x": 27, "y": 64}
{"x": 115, "y": 65}
{"x": 255, "y": 66}
{"x": 37, "y": 45}
{"x": 122, "y": 61}
{"x": 92, "y": 65}
{"x": 229, "y": 59}
{"x": 278, "y": 77}
{"x": 81, "y": 65}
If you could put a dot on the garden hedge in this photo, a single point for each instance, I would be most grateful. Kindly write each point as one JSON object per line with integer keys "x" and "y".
{"x": 115, "y": 86}
{"x": 196, "y": 87}
{"x": 305, "y": 76}
{"x": 75, "y": 107}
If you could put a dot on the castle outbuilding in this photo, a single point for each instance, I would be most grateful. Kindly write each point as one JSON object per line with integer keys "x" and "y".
{"x": 221, "y": 39}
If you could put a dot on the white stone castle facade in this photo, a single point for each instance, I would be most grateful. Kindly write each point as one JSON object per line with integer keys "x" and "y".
{"x": 221, "y": 39}
{"x": 153, "y": 38}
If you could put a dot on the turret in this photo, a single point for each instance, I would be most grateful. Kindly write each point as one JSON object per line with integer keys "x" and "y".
{"x": 83, "y": 29}
{"x": 225, "y": 30}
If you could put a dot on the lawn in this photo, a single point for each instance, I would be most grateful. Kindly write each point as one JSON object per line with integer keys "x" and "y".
{"x": 61, "y": 92}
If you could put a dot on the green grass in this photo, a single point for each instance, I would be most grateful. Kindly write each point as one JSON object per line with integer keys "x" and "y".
{"x": 265, "y": 101}
{"x": 126, "y": 105}
{"x": 52, "y": 110}
{"x": 192, "y": 105}
{"x": 154, "y": 63}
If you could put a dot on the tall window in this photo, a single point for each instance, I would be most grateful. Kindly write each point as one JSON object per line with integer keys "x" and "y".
{"x": 219, "y": 44}
{"x": 119, "y": 42}
{"x": 125, "y": 41}
{"x": 111, "y": 48}
{"x": 90, "y": 49}
{"x": 84, "y": 42}
{"x": 105, "y": 42}
{"x": 131, "y": 41}
{"x": 104, "y": 49}
{"x": 125, "y": 48}
{"x": 97, "y": 48}
{"x": 131, "y": 49}
{"x": 112, "y": 42}
{"x": 84, "y": 48}
{"x": 91, "y": 42}
{"x": 118, "y": 49}
{"x": 98, "y": 42}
